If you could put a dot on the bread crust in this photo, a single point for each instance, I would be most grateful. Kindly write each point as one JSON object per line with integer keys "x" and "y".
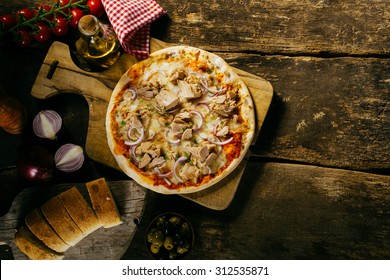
{"x": 57, "y": 216}
{"x": 30, "y": 245}
{"x": 44, "y": 232}
{"x": 103, "y": 203}
{"x": 79, "y": 210}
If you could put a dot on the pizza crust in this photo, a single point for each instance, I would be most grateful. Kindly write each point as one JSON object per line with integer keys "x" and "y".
{"x": 246, "y": 107}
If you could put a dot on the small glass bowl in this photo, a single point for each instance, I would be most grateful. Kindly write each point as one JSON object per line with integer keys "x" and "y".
{"x": 169, "y": 236}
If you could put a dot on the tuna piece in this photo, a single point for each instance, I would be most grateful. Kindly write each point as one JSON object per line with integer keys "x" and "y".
{"x": 148, "y": 148}
{"x": 210, "y": 159}
{"x": 186, "y": 91}
{"x": 189, "y": 172}
{"x": 144, "y": 161}
{"x": 187, "y": 134}
{"x": 167, "y": 99}
{"x": 223, "y": 132}
{"x": 201, "y": 152}
{"x": 156, "y": 162}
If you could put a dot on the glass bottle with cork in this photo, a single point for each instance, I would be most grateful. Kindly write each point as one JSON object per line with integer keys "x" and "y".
{"x": 98, "y": 44}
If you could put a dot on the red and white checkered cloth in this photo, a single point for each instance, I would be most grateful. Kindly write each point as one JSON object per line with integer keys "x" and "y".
{"x": 131, "y": 21}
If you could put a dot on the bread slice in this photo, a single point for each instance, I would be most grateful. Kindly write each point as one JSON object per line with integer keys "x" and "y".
{"x": 103, "y": 203}
{"x": 57, "y": 216}
{"x": 30, "y": 245}
{"x": 79, "y": 210}
{"x": 44, "y": 232}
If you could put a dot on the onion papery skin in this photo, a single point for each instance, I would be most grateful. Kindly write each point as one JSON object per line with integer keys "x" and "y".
{"x": 69, "y": 158}
{"x": 46, "y": 124}
{"x": 35, "y": 164}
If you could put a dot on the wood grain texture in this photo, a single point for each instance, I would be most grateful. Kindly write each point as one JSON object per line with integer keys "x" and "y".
{"x": 326, "y": 111}
{"x": 319, "y": 27}
{"x": 101, "y": 244}
{"x": 305, "y": 27}
{"x": 97, "y": 87}
{"x": 288, "y": 211}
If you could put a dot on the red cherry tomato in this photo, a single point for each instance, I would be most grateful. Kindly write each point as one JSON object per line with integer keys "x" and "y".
{"x": 61, "y": 27}
{"x": 23, "y": 37}
{"x": 8, "y": 21}
{"x": 42, "y": 33}
{"x": 96, "y": 7}
{"x": 43, "y": 9}
{"x": 64, "y": 3}
{"x": 76, "y": 15}
{"x": 25, "y": 14}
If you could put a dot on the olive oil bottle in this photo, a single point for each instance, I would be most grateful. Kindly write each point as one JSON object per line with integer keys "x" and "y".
{"x": 98, "y": 44}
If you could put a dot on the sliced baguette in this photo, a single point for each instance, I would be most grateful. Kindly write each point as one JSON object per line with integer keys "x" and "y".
{"x": 103, "y": 203}
{"x": 57, "y": 216}
{"x": 79, "y": 210}
{"x": 38, "y": 225}
{"x": 30, "y": 245}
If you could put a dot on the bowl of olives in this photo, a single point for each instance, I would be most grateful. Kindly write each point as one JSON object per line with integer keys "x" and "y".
{"x": 169, "y": 236}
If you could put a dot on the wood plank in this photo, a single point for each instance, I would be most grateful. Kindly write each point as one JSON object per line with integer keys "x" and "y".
{"x": 97, "y": 87}
{"x": 101, "y": 244}
{"x": 330, "y": 112}
{"x": 290, "y": 27}
{"x": 320, "y": 27}
{"x": 288, "y": 211}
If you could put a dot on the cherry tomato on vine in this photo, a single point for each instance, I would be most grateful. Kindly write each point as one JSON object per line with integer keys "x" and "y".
{"x": 42, "y": 33}
{"x": 8, "y": 21}
{"x": 76, "y": 15}
{"x": 25, "y": 14}
{"x": 61, "y": 27}
{"x": 23, "y": 37}
{"x": 96, "y": 7}
{"x": 43, "y": 9}
{"x": 64, "y": 3}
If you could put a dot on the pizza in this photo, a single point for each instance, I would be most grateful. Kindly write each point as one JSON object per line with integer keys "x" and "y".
{"x": 180, "y": 121}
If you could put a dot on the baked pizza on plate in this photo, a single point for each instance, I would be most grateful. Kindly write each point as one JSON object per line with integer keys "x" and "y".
{"x": 180, "y": 121}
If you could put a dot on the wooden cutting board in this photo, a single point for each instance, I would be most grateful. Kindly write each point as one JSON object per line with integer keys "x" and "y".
{"x": 96, "y": 87}
{"x": 102, "y": 244}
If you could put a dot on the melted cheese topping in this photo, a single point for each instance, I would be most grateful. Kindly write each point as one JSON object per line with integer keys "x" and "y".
{"x": 179, "y": 120}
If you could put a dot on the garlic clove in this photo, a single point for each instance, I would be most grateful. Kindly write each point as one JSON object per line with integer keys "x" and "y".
{"x": 47, "y": 123}
{"x": 69, "y": 158}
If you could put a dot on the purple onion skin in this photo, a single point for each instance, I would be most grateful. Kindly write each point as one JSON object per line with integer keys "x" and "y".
{"x": 35, "y": 164}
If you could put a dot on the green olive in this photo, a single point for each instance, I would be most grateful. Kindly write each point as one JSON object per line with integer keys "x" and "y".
{"x": 172, "y": 254}
{"x": 157, "y": 238}
{"x": 182, "y": 249}
{"x": 185, "y": 228}
{"x": 174, "y": 220}
{"x": 150, "y": 235}
{"x": 160, "y": 221}
{"x": 154, "y": 249}
{"x": 168, "y": 243}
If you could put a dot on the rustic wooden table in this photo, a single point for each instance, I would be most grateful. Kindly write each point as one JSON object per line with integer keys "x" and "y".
{"x": 317, "y": 184}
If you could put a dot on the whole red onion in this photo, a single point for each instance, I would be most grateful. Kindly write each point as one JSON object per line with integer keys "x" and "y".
{"x": 35, "y": 164}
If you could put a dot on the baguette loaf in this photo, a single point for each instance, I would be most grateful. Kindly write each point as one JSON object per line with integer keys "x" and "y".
{"x": 33, "y": 247}
{"x": 44, "y": 232}
{"x": 57, "y": 216}
{"x": 103, "y": 203}
{"x": 79, "y": 210}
